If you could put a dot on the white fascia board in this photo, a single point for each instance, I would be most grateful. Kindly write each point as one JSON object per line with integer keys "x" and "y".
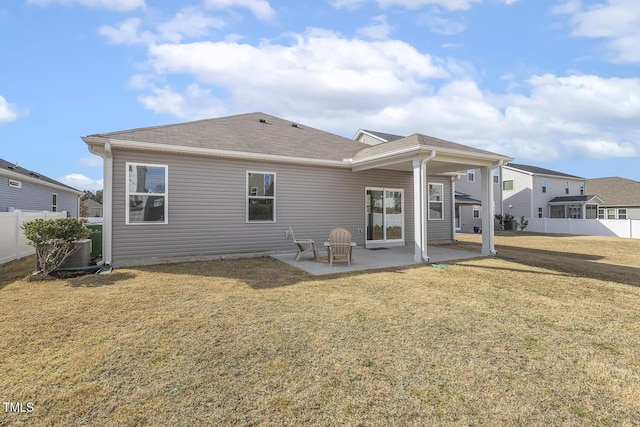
{"x": 385, "y": 156}
{"x": 33, "y": 180}
{"x": 459, "y": 156}
{"x": 148, "y": 146}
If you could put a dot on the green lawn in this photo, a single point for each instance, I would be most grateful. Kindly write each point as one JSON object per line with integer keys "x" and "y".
{"x": 547, "y": 334}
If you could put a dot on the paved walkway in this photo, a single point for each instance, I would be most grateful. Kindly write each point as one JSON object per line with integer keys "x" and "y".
{"x": 368, "y": 259}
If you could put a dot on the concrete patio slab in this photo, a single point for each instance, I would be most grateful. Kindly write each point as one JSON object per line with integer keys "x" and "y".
{"x": 369, "y": 259}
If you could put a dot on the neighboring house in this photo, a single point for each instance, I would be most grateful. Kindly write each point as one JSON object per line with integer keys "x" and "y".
{"x": 536, "y": 192}
{"x": 22, "y": 189}
{"x": 620, "y": 197}
{"x": 468, "y": 208}
{"x": 235, "y": 184}
{"x": 94, "y": 208}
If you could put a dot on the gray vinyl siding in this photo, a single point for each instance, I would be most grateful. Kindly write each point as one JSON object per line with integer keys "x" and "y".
{"x": 207, "y": 207}
{"x": 34, "y": 197}
{"x": 467, "y": 221}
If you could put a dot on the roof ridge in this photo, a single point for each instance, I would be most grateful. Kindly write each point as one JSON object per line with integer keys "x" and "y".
{"x": 168, "y": 125}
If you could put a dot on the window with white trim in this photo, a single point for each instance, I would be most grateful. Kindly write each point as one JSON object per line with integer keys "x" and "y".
{"x": 436, "y": 201}
{"x": 543, "y": 182}
{"x": 496, "y": 176}
{"x": 507, "y": 185}
{"x": 539, "y": 212}
{"x": 147, "y": 201}
{"x": 582, "y": 188}
{"x": 476, "y": 211}
{"x": 612, "y": 213}
{"x": 566, "y": 187}
{"x": 471, "y": 175}
{"x": 261, "y": 196}
{"x": 54, "y": 202}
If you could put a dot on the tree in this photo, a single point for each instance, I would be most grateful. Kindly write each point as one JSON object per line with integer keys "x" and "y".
{"x": 97, "y": 196}
{"x": 55, "y": 240}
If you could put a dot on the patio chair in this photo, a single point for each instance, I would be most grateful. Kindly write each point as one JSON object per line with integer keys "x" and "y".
{"x": 339, "y": 246}
{"x": 304, "y": 246}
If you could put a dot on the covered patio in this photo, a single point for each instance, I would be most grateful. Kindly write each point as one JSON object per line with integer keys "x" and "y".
{"x": 370, "y": 259}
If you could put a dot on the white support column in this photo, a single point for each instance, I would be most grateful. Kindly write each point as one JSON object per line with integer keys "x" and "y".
{"x": 417, "y": 210}
{"x": 488, "y": 246}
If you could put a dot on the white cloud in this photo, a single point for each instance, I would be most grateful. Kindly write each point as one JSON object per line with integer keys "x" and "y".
{"x": 260, "y": 8}
{"x": 82, "y": 182}
{"x": 335, "y": 83}
{"x": 91, "y": 161}
{"x": 378, "y": 29}
{"x": 195, "y": 103}
{"x": 190, "y": 23}
{"x": 445, "y": 26}
{"x": 8, "y": 112}
{"x": 127, "y": 32}
{"x": 118, "y": 5}
{"x": 317, "y": 64}
{"x": 568, "y": 7}
{"x": 615, "y": 21}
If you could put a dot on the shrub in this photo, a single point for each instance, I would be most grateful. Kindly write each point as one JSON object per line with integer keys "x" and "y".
{"x": 523, "y": 223}
{"x": 506, "y": 221}
{"x": 55, "y": 240}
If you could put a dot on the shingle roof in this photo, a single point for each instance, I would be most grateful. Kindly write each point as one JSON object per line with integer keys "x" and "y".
{"x": 252, "y": 133}
{"x": 416, "y": 140}
{"x": 540, "y": 171}
{"x": 615, "y": 191}
{"x": 386, "y": 136}
{"x": 8, "y": 166}
{"x": 564, "y": 199}
{"x": 260, "y": 133}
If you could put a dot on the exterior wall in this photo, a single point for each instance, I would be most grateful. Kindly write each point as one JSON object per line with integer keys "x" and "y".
{"x": 35, "y": 197}
{"x": 369, "y": 140}
{"x": 520, "y": 197}
{"x": 207, "y": 207}
{"x": 474, "y": 189}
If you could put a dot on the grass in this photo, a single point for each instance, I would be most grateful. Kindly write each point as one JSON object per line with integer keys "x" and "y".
{"x": 547, "y": 335}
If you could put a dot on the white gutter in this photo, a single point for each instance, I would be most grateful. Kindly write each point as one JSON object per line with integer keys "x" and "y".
{"x": 423, "y": 214}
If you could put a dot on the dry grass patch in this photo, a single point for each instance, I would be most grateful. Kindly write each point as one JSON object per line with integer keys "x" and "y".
{"x": 535, "y": 341}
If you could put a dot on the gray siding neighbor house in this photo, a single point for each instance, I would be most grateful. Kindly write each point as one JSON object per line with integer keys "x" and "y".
{"x": 22, "y": 189}
{"x": 536, "y": 192}
{"x": 234, "y": 185}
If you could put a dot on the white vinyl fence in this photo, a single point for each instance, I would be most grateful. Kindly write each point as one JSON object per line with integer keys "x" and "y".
{"x": 629, "y": 228}
{"x": 13, "y": 244}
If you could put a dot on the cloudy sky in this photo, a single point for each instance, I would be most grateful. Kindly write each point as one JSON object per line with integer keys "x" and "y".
{"x": 551, "y": 83}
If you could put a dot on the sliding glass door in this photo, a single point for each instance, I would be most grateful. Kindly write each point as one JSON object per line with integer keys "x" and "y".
{"x": 384, "y": 217}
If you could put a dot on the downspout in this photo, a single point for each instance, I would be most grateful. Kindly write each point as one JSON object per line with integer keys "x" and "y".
{"x": 423, "y": 198}
{"x": 454, "y": 208}
{"x": 107, "y": 196}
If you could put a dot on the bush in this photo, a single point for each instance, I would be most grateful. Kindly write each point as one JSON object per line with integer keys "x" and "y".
{"x": 506, "y": 221}
{"x": 55, "y": 240}
{"x": 523, "y": 223}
